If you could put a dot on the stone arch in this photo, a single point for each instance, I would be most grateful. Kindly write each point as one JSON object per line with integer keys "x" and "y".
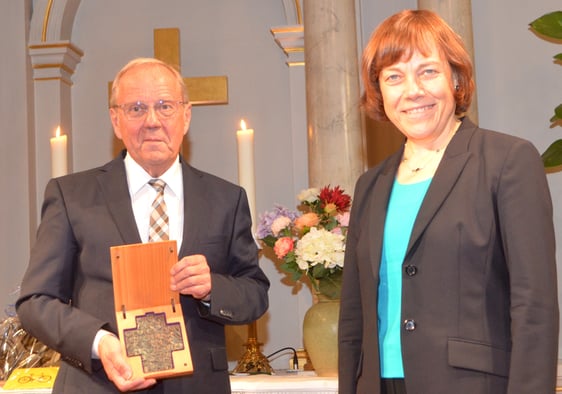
{"x": 293, "y": 11}
{"x": 52, "y": 20}
{"x": 290, "y": 37}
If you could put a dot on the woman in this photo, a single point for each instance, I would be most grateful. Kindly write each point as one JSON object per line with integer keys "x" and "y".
{"x": 450, "y": 280}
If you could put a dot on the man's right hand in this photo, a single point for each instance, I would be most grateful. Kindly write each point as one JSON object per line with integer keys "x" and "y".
{"x": 116, "y": 366}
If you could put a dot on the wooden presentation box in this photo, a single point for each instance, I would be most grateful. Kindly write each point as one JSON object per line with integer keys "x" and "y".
{"x": 149, "y": 315}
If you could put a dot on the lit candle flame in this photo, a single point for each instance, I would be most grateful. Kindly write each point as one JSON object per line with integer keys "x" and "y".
{"x": 243, "y": 124}
{"x": 57, "y": 133}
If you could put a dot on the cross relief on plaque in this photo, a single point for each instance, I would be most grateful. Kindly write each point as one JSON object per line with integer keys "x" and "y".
{"x": 154, "y": 340}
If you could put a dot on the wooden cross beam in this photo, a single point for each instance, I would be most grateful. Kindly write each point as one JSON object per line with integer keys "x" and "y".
{"x": 202, "y": 90}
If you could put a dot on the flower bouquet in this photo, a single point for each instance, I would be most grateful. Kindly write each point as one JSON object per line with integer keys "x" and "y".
{"x": 311, "y": 240}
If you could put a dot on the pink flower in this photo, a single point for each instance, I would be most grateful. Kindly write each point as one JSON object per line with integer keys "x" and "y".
{"x": 337, "y": 230}
{"x": 343, "y": 219}
{"x": 309, "y": 219}
{"x": 280, "y": 224}
{"x": 283, "y": 246}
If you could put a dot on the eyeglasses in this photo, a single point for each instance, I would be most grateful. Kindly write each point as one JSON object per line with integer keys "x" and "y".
{"x": 138, "y": 110}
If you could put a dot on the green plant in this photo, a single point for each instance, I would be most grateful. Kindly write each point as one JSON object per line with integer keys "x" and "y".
{"x": 549, "y": 27}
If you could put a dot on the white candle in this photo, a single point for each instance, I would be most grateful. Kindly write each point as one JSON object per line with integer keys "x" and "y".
{"x": 246, "y": 176}
{"x": 58, "y": 154}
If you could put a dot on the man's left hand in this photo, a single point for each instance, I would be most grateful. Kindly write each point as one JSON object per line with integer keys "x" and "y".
{"x": 192, "y": 276}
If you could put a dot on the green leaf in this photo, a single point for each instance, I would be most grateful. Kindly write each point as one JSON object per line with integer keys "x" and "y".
{"x": 319, "y": 272}
{"x": 290, "y": 266}
{"x": 557, "y": 114}
{"x": 330, "y": 223}
{"x": 291, "y": 260}
{"x": 552, "y": 156}
{"x": 549, "y": 25}
{"x": 558, "y": 57}
{"x": 330, "y": 286}
{"x": 269, "y": 241}
{"x": 329, "y": 289}
{"x": 296, "y": 276}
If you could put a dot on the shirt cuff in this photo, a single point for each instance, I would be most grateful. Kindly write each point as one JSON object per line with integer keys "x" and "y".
{"x": 99, "y": 335}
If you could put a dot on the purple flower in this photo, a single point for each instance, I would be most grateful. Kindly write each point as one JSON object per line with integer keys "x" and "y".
{"x": 267, "y": 218}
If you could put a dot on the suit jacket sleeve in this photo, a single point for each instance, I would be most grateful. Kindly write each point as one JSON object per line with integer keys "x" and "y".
{"x": 45, "y": 305}
{"x": 239, "y": 296}
{"x": 525, "y": 218}
{"x": 223, "y": 234}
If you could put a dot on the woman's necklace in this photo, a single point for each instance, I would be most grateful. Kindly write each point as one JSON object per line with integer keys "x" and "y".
{"x": 431, "y": 155}
{"x": 419, "y": 167}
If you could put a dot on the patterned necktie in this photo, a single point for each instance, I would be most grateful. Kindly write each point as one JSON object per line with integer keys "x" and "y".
{"x": 158, "y": 226}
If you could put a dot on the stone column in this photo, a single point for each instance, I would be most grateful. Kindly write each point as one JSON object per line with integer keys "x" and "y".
{"x": 54, "y": 60}
{"x": 334, "y": 125}
{"x": 458, "y": 14}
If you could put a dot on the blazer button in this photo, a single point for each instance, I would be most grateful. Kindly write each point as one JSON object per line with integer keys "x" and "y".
{"x": 409, "y": 325}
{"x": 411, "y": 270}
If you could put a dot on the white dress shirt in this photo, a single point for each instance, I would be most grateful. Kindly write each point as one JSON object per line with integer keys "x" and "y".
{"x": 142, "y": 195}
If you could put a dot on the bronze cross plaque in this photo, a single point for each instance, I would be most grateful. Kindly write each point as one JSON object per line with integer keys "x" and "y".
{"x": 149, "y": 316}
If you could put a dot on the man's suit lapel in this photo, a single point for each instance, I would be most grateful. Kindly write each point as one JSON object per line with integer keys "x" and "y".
{"x": 112, "y": 181}
{"x": 194, "y": 207}
{"x": 449, "y": 170}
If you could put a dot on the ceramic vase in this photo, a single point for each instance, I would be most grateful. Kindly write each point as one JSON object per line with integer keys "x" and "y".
{"x": 320, "y": 335}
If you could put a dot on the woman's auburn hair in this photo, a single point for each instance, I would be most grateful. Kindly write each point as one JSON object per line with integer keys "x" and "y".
{"x": 401, "y": 35}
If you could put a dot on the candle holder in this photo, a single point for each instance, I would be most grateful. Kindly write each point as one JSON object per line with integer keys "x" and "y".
{"x": 253, "y": 361}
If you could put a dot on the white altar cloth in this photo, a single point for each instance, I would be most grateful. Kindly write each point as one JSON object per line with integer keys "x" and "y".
{"x": 281, "y": 382}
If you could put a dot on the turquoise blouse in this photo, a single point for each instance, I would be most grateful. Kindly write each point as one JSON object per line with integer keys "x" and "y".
{"x": 403, "y": 206}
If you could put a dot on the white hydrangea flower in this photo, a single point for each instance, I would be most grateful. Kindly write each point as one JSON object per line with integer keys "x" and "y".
{"x": 309, "y": 195}
{"x": 320, "y": 246}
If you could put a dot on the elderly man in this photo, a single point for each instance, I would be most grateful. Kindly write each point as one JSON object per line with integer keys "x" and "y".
{"x": 66, "y": 296}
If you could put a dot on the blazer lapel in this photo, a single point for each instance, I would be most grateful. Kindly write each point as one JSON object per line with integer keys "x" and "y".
{"x": 380, "y": 195}
{"x": 112, "y": 181}
{"x": 450, "y": 168}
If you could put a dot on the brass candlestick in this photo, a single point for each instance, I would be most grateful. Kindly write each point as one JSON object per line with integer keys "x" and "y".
{"x": 253, "y": 361}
